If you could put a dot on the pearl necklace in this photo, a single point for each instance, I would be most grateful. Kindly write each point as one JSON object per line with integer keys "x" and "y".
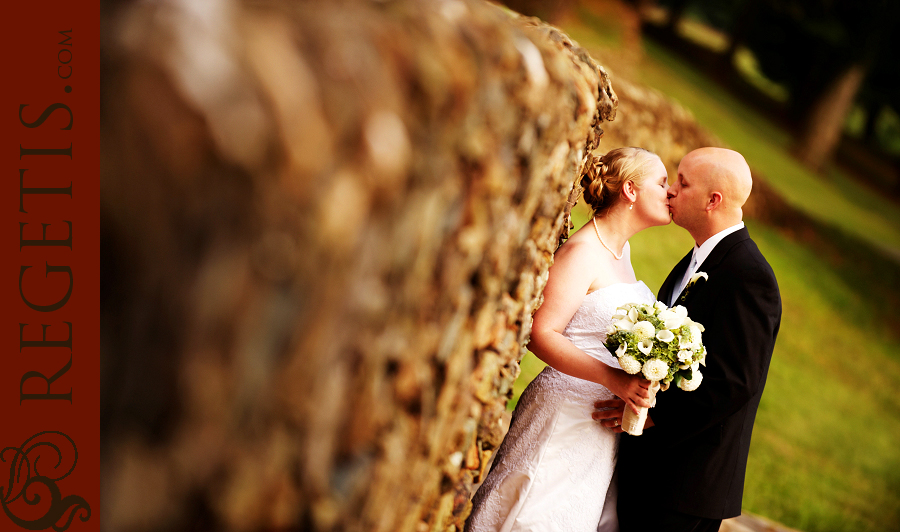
{"x": 619, "y": 256}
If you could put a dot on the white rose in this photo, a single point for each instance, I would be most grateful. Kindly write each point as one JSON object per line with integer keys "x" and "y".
{"x": 623, "y": 347}
{"x": 691, "y": 385}
{"x": 643, "y": 330}
{"x": 685, "y": 356}
{"x": 655, "y": 369}
{"x": 644, "y": 346}
{"x": 696, "y": 337}
{"x": 660, "y": 305}
{"x": 665, "y": 335}
{"x": 629, "y": 364}
{"x": 612, "y": 329}
{"x": 623, "y": 325}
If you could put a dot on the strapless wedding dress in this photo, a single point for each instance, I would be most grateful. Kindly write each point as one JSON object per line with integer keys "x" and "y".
{"x": 553, "y": 470}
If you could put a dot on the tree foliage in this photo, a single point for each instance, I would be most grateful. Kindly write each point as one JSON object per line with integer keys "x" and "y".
{"x": 805, "y": 44}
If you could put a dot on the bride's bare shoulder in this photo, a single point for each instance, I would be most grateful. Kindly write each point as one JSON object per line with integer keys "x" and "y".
{"x": 575, "y": 253}
{"x": 578, "y": 245}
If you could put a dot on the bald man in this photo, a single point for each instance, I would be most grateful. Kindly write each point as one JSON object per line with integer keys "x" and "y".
{"x": 686, "y": 471}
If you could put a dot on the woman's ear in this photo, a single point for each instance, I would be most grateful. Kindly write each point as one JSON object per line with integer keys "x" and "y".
{"x": 629, "y": 191}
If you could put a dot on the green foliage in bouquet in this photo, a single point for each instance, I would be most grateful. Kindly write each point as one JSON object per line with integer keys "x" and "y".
{"x": 663, "y": 343}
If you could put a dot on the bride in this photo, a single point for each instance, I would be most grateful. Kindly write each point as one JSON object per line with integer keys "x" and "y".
{"x": 555, "y": 466}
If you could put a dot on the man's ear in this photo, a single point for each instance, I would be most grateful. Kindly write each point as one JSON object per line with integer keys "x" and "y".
{"x": 715, "y": 200}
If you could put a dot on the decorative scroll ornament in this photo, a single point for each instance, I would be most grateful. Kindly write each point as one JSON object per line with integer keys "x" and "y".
{"x": 34, "y": 469}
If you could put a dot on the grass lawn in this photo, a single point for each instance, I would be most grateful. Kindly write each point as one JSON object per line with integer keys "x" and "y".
{"x": 826, "y": 446}
{"x": 825, "y": 453}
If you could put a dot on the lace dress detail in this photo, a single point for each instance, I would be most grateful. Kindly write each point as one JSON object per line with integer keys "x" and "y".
{"x": 553, "y": 469}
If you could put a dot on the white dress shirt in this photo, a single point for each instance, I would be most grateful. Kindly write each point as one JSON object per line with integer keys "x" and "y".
{"x": 700, "y": 254}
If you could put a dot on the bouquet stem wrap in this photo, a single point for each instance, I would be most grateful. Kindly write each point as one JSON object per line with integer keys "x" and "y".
{"x": 634, "y": 423}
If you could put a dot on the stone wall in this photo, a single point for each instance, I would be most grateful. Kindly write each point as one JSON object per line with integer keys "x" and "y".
{"x": 326, "y": 226}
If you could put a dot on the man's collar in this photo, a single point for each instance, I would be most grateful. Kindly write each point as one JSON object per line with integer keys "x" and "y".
{"x": 703, "y": 251}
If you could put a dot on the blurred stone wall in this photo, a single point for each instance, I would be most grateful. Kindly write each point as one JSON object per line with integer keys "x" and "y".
{"x": 326, "y": 226}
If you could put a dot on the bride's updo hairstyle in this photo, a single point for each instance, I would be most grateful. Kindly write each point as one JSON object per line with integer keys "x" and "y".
{"x": 606, "y": 175}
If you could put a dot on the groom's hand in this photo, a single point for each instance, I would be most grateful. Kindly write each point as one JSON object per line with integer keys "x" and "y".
{"x": 609, "y": 413}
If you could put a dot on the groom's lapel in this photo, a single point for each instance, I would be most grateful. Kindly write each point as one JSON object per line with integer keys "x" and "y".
{"x": 676, "y": 275}
{"x": 715, "y": 257}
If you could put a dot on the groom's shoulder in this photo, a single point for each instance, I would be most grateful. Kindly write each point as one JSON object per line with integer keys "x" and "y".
{"x": 746, "y": 260}
{"x": 750, "y": 250}
{"x": 748, "y": 247}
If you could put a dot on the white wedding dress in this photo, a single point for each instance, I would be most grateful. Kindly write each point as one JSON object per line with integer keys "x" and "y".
{"x": 553, "y": 469}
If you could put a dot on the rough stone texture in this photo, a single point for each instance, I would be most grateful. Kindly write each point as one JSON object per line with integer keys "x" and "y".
{"x": 326, "y": 226}
{"x": 650, "y": 120}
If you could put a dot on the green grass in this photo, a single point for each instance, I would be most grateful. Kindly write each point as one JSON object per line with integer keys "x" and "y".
{"x": 826, "y": 445}
{"x": 825, "y": 452}
{"x": 530, "y": 366}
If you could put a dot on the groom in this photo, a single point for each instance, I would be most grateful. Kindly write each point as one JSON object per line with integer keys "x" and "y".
{"x": 686, "y": 472}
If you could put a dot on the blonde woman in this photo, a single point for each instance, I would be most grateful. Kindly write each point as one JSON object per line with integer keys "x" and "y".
{"x": 554, "y": 468}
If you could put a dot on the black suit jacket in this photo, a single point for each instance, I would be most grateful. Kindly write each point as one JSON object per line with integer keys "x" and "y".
{"x": 693, "y": 461}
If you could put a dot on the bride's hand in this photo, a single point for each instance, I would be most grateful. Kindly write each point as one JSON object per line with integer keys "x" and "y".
{"x": 633, "y": 389}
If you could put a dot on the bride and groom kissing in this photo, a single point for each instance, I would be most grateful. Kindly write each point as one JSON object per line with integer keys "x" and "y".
{"x": 564, "y": 465}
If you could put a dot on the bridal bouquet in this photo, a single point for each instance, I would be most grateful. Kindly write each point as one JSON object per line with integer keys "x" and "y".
{"x": 663, "y": 343}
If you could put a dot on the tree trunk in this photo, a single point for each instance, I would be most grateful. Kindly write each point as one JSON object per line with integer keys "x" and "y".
{"x": 825, "y": 122}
